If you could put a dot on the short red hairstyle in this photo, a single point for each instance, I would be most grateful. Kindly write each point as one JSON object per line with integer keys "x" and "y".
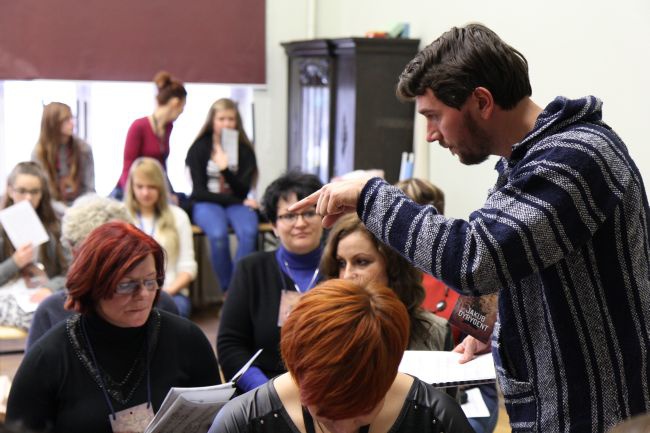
{"x": 109, "y": 252}
{"x": 342, "y": 344}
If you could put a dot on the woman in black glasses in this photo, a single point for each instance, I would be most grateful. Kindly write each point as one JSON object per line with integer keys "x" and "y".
{"x": 266, "y": 285}
{"x": 109, "y": 368}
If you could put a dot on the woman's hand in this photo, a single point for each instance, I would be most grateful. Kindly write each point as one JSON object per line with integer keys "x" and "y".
{"x": 220, "y": 157}
{"x": 470, "y": 347}
{"x": 251, "y": 203}
{"x": 24, "y": 255}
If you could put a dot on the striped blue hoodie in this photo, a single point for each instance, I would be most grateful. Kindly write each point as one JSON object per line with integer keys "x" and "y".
{"x": 563, "y": 239}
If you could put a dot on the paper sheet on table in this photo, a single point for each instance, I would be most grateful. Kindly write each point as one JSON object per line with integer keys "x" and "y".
{"x": 21, "y": 293}
{"x": 443, "y": 369}
{"x": 475, "y": 406}
{"x": 22, "y": 225}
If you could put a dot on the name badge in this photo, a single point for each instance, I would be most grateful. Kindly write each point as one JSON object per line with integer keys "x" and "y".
{"x": 288, "y": 300}
{"x": 132, "y": 420}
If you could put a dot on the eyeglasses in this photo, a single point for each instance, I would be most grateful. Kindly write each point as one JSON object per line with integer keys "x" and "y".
{"x": 291, "y": 218}
{"x": 25, "y": 191}
{"x": 131, "y": 287}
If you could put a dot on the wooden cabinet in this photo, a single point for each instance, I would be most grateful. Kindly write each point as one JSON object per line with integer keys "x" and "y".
{"x": 343, "y": 112}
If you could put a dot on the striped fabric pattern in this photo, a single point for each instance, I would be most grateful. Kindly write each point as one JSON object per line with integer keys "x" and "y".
{"x": 563, "y": 238}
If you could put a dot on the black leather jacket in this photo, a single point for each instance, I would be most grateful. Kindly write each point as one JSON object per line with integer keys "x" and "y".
{"x": 426, "y": 410}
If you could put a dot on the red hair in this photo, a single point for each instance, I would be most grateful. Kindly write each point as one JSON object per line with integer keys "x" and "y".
{"x": 109, "y": 252}
{"x": 342, "y": 344}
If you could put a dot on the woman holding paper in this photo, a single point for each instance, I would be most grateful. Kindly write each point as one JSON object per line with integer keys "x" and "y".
{"x": 146, "y": 200}
{"x": 44, "y": 265}
{"x": 223, "y": 168}
{"x": 342, "y": 345}
{"x": 353, "y": 253}
{"x": 108, "y": 368}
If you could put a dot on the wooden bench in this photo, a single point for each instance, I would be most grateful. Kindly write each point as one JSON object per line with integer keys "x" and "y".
{"x": 266, "y": 239}
{"x": 205, "y": 290}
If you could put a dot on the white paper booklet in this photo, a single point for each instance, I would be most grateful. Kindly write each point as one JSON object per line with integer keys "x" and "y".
{"x": 22, "y": 225}
{"x": 192, "y": 410}
{"x": 230, "y": 144}
{"x": 442, "y": 369}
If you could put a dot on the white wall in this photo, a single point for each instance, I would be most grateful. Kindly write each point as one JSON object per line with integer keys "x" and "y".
{"x": 574, "y": 48}
{"x": 286, "y": 20}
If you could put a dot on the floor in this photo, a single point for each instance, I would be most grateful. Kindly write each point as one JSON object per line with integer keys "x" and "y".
{"x": 207, "y": 319}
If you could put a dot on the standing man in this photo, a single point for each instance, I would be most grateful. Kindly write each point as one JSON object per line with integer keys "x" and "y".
{"x": 563, "y": 235}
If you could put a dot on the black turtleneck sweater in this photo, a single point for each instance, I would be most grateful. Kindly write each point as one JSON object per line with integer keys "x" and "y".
{"x": 53, "y": 390}
{"x": 249, "y": 319}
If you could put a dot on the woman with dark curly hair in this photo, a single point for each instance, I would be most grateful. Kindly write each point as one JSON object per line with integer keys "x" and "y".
{"x": 267, "y": 283}
{"x": 353, "y": 253}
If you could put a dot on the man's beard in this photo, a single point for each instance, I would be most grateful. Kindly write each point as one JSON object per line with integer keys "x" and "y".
{"x": 478, "y": 144}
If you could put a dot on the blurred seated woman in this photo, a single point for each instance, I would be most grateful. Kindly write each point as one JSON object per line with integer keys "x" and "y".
{"x": 27, "y": 265}
{"x": 66, "y": 159}
{"x": 266, "y": 284}
{"x": 147, "y": 201}
{"x": 353, "y": 253}
{"x": 108, "y": 368}
{"x": 342, "y": 345}
{"x": 86, "y": 214}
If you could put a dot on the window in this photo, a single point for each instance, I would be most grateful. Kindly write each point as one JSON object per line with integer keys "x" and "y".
{"x": 104, "y": 110}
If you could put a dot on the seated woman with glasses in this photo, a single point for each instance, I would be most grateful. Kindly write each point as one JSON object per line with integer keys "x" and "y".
{"x": 41, "y": 267}
{"x": 266, "y": 285}
{"x": 86, "y": 214}
{"x": 342, "y": 345}
{"x": 108, "y": 368}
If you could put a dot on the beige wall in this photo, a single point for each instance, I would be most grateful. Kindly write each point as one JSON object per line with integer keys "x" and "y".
{"x": 574, "y": 48}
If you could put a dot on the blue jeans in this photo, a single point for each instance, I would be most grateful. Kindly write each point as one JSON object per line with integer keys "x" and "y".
{"x": 214, "y": 220}
{"x": 183, "y": 304}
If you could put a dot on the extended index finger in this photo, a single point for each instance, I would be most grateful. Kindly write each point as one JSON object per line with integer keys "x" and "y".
{"x": 310, "y": 200}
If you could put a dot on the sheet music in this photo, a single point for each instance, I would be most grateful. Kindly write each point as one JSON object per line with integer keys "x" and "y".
{"x": 22, "y": 225}
{"x": 191, "y": 410}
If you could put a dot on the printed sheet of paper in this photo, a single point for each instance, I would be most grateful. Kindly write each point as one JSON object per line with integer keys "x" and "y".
{"x": 441, "y": 368}
{"x": 475, "y": 406}
{"x": 191, "y": 410}
{"x": 19, "y": 291}
{"x": 22, "y": 225}
{"x": 230, "y": 144}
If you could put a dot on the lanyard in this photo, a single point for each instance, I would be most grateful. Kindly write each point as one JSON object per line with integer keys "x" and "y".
{"x": 141, "y": 224}
{"x": 99, "y": 375}
{"x": 311, "y": 282}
